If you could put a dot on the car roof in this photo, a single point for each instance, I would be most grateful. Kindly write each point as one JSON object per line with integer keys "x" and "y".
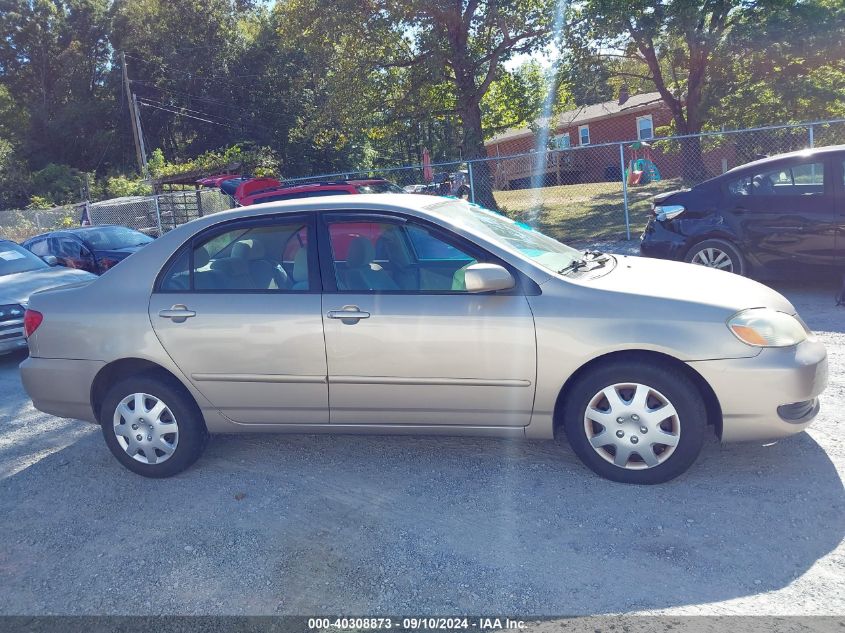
{"x": 801, "y": 153}
{"x": 376, "y": 202}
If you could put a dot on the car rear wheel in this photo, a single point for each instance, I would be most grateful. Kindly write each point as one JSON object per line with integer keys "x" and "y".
{"x": 719, "y": 254}
{"x": 633, "y": 422}
{"x": 152, "y": 426}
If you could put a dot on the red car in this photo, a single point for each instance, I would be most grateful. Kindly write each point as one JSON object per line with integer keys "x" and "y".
{"x": 313, "y": 189}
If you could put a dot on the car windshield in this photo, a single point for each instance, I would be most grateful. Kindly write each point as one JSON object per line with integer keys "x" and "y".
{"x": 379, "y": 187}
{"x": 544, "y": 250}
{"x": 16, "y": 259}
{"x": 112, "y": 237}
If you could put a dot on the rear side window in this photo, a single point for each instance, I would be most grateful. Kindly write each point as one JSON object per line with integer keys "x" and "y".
{"x": 789, "y": 180}
{"x": 253, "y": 257}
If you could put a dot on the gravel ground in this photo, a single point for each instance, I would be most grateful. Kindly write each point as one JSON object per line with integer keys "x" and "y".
{"x": 363, "y": 525}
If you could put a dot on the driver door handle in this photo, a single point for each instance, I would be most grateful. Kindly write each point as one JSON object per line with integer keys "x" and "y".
{"x": 348, "y": 314}
{"x": 178, "y": 313}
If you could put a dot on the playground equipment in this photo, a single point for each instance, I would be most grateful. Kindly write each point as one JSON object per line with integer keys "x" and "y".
{"x": 641, "y": 168}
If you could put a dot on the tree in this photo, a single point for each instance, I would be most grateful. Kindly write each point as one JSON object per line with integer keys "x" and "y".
{"x": 674, "y": 42}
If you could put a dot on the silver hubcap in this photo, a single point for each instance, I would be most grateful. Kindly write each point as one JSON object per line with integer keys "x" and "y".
{"x": 713, "y": 258}
{"x": 632, "y": 426}
{"x": 146, "y": 428}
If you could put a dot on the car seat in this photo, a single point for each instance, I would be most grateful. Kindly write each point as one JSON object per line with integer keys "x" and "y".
{"x": 362, "y": 273}
{"x": 265, "y": 273}
{"x": 300, "y": 270}
{"x": 390, "y": 248}
{"x": 205, "y": 278}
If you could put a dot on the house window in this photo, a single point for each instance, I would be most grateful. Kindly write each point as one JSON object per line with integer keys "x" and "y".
{"x": 584, "y": 134}
{"x": 645, "y": 127}
{"x": 561, "y": 141}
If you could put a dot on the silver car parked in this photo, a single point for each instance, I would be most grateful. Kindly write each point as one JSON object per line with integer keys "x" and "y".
{"x": 407, "y": 314}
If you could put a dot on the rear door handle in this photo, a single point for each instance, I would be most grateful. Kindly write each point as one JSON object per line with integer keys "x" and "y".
{"x": 178, "y": 313}
{"x": 348, "y": 314}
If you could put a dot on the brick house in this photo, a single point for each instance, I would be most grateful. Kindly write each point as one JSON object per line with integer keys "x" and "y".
{"x": 585, "y": 129}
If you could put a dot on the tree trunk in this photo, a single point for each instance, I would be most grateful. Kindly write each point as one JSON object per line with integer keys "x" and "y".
{"x": 693, "y": 170}
{"x": 473, "y": 148}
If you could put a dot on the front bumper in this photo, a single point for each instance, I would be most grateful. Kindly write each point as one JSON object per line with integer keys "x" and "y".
{"x": 771, "y": 395}
{"x": 61, "y": 387}
{"x": 657, "y": 241}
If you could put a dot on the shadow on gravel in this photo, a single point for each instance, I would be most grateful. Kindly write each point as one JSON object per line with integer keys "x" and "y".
{"x": 355, "y": 525}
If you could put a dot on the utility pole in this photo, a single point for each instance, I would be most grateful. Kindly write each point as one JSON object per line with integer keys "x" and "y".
{"x": 143, "y": 149}
{"x": 133, "y": 117}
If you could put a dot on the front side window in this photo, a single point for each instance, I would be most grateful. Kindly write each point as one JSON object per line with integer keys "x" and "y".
{"x": 40, "y": 247}
{"x": 268, "y": 258}
{"x": 395, "y": 256}
{"x": 789, "y": 180}
{"x": 584, "y": 134}
{"x": 645, "y": 127}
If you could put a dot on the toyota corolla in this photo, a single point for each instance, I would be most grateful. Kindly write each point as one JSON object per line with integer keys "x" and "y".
{"x": 407, "y": 314}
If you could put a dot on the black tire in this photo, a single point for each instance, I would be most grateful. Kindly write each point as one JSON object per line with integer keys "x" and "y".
{"x": 192, "y": 434}
{"x": 737, "y": 261}
{"x": 669, "y": 382}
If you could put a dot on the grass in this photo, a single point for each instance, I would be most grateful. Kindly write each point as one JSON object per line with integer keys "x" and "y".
{"x": 588, "y": 211}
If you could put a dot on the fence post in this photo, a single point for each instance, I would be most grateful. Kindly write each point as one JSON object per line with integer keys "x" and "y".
{"x": 624, "y": 188}
{"x": 812, "y": 140}
{"x": 158, "y": 216}
{"x": 471, "y": 183}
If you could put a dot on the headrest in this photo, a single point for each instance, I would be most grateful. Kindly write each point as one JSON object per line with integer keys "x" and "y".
{"x": 361, "y": 253}
{"x": 257, "y": 250}
{"x": 201, "y": 257}
{"x": 300, "y": 265}
{"x": 242, "y": 249}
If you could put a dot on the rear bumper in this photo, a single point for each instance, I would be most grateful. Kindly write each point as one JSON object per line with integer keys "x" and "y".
{"x": 61, "y": 387}
{"x": 657, "y": 241}
{"x": 771, "y": 395}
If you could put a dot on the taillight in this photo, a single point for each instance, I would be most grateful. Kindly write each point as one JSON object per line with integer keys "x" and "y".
{"x": 31, "y": 320}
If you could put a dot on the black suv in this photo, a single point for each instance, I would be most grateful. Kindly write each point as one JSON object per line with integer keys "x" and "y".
{"x": 770, "y": 218}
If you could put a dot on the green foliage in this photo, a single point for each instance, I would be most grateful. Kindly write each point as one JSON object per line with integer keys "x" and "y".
{"x": 258, "y": 161}
{"x": 57, "y": 184}
{"x": 516, "y": 98}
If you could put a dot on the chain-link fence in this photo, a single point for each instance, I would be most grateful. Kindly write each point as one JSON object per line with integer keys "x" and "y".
{"x": 153, "y": 215}
{"x": 600, "y": 191}
{"x": 580, "y": 195}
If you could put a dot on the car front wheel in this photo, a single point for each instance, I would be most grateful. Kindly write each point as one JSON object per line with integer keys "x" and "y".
{"x": 634, "y": 422}
{"x": 718, "y": 254}
{"x": 152, "y": 426}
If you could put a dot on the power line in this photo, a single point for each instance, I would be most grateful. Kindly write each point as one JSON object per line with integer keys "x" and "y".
{"x": 189, "y": 116}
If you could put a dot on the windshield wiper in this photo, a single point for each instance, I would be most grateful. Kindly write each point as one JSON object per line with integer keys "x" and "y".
{"x": 573, "y": 265}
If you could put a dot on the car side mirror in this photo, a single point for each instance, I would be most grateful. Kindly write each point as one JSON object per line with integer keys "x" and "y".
{"x": 50, "y": 260}
{"x": 487, "y": 278}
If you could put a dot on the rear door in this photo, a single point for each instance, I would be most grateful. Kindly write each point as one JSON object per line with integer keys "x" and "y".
{"x": 839, "y": 179}
{"x": 238, "y": 310}
{"x": 785, "y": 212}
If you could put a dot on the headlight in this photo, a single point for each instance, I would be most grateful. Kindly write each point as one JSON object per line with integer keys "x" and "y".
{"x": 669, "y": 211}
{"x": 764, "y": 327}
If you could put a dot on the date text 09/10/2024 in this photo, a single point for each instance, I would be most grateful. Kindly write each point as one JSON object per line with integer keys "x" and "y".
{"x": 419, "y": 623}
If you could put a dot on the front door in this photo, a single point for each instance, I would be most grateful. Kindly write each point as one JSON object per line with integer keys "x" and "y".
{"x": 406, "y": 343}
{"x": 786, "y": 212}
{"x": 239, "y": 312}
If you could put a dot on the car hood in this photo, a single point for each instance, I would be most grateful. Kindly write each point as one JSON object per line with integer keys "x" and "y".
{"x": 18, "y": 287}
{"x": 662, "y": 197}
{"x": 676, "y": 282}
